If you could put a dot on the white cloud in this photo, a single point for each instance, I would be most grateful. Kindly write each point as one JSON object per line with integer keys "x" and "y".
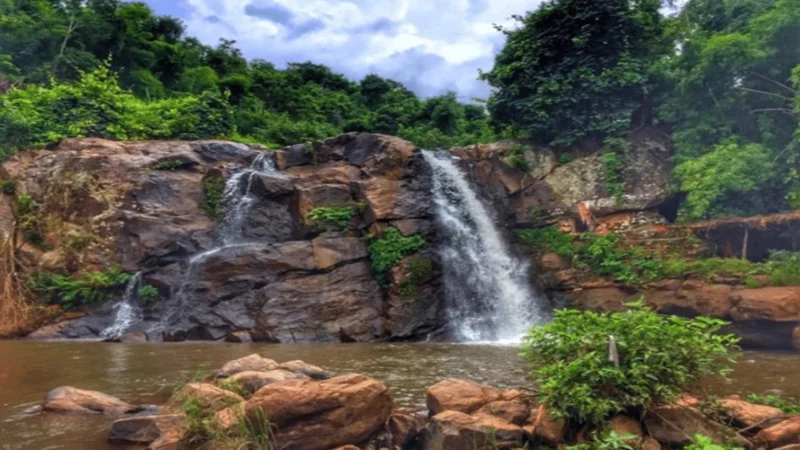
{"x": 430, "y": 45}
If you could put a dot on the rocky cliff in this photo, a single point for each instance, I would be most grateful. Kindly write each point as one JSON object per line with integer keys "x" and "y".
{"x": 155, "y": 208}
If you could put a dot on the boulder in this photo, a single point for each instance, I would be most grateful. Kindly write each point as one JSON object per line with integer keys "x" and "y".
{"x": 209, "y": 398}
{"x": 675, "y": 425}
{"x": 251, "y": 363}
{"x": 624, "y": 425}
{"x": 546, "y": 427}
{"x": 67, "y": 399}
{"x": 454, "y": 430}
{"x": 404, "y": 429}
{"x": 227, "y": 418}
{"x": 253, "y": 381}
{"x": 303, "y": 368}
{"x": 784, "y": 433}
{"x": 512, "y": 411}
{"x": 332, "y": 251}
{"x": 459, "y": 395}
{"x": 748, "y": 414}
{"x": 775, "y": 304}
{"x": 146, "y": 429}
{"x": 320, "y": 415}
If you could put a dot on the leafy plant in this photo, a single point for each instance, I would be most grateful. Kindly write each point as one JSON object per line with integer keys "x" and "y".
{"x": 659, "y": 359}
{"x": 420, "y": 269}
{"x": 8, "y": 187}
{"x": 168, "y": 164}
{"x": 607, "y": 441}
{"x": 87, "y": 288}
{"x": 213, "y": 189}
{"x": 517, "y": 157}
{"x": 27, "y": 211}
{"x": 148, "y": 293}
{"x": 337, "y": 217}
{"x": 391, "y": 247}
{"x": 612, "y": 162}
{"x": 566, "y": 158}
{"x": 787, "y": 405}
{"x": 705, "y": 443}
{"x": 549, "y": 239}
{"x": 81, "y": 240}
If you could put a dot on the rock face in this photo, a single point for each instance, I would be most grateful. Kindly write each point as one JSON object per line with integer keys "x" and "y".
{"x": 321, "y": 415}
{"x": 147, "y": 429}
{"x": 455, "y": 430}
{"x": 460, "y": 395}
{"x": 67, "y": 399}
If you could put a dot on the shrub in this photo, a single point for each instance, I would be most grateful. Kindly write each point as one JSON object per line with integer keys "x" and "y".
{"x": 168, "y": 164}
{"x": 338, "y": 217}
{"x": 387, "y": 251}
{"x": 517, "y": 158}
{"x": 85, "y": 289}
{"x": 659, "y": 359}
{"x": 566, "y": 158}
{"x": 421, "y": 269}
{"x": 787, "y": 405}
{"x": 213, "y": 189}
{"x": 785, "y": 268}
{"x": 81, "y": 240}
{"x": 148, "y": 294}
{"x": 26, "y": 211}
{"x": 8, "y": 187}
{"x": 549, "y": 239}
{"x": 705, "y": 443}
{"x": 608, "y": 441}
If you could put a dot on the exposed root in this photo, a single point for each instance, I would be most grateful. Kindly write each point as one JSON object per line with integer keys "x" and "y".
{"x": 15, "y": 309}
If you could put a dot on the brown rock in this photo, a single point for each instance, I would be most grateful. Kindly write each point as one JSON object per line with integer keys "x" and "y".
{"x": 251, "y": 363}
{"x": 749, "y": 414}
{"x": 602, "y": 299}
{"x": 239, "y": 337}
{"x": 67, "y": 399}
{"x": 332, "y": 251}
{"x": 347, "y": 447}
{"x": 459, "y": 395}
{"x": 547, "y": 428}
{"x": 229, "y": 417}
{"x": 650, "y": 444}
{"x": 209, "y": 398}
{"x": 784, "y": 433}
{"x": 306, "y": 369}
{"x": 404, "y": 429}
{"x": 777, "y": 304}
{"x": 624, "y": 425}
{"x": 675, "y": 425}
{"x": 146, "y": 429}
{"x": 453, "y": 430}
{"x": 320, "y": 415}
{"x": 253, "y": 381}
{"x": 512, "y": 411}
{"x": 552, "y": 261}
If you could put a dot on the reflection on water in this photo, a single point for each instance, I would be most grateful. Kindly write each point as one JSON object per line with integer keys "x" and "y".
{"x": 148, "y": 373}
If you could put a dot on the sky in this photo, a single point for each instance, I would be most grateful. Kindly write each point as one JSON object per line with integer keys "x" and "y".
{"x": 431, "y": 46}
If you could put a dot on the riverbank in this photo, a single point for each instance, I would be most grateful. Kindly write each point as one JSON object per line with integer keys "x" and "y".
{"x": 147, "y": 374}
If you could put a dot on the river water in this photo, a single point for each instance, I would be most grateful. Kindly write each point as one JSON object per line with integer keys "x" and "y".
{"x": 147, "y": 373}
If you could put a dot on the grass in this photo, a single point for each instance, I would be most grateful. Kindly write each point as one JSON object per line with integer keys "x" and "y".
{"x": 168, "y": 164}
{"x": 83, "y": 289}
{"x": 335, "y": 217}
{"x": 787, "y": 405}
{"x": 213, "y": 189}
{"x": 253, "y": 432}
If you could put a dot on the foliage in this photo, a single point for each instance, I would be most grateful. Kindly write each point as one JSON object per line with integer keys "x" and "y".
{"x": 607, "y": 441}
{"x": 391, "y": 247}
{"x": 612, "y": 162}
{"x": 8, "y": 187}
{"x": 148, "y": 293}
{"x": 167, "y": 164}
{"x": 577, "y": 69}
{"x": 566, "y": 158}
{"x": 785, "y": 268}
{"x": 787, "y": 405}
{"x": 548, "y": 239}
{"x": 517, "y": 158}
{"x": 659, "y": 358}
{"x": 80, "y": 241}
{"x": 27, "y": 213}
{"x": 706, "y": 443}
{"x": 420, "y": 270}
{"x": 84, "y": 289}
{"x": 253, "y": 433}
{"x": 213, "y": 190}
{"x": 337, "y": 217}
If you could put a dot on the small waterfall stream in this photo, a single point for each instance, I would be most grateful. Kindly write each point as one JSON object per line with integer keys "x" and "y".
{"x": 128, "y": 312}
{"x": 488, "y": 291}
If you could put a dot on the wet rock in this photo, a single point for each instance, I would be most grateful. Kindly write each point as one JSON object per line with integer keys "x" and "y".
{"x": 775, "y": 304}
{"x": 784, "y": 433}
{"x": 320, "y": 415}
{"x": 229, "y": 417}
{"x": 624, "y": 425}
{"x": 404, "y": 428}
{"x": 253, "y": 381}
{"x": 250, "y": 363}
{"x": 133, "y": 338}
{"x": 146, "y": 429}
{"x": 303, "y": 368}
{"x": 332, "y": 251}
{"x": 239, "y": 337}
{"x": 67, "y": 399}
{"x": 455, "y": 430}
{"x": 545, "y": 427}
{"x": 748, "y": 414}
{"x": 208, "y": 398}
{"x": 512, "y": 411}
{"x": 459, "y": 395}
{"x": 675, "y": 425}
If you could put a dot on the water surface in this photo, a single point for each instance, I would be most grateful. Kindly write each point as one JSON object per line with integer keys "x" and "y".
{"x": 147, "y": 373}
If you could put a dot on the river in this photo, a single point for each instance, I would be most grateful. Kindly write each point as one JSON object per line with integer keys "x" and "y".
{"x": 147, "y": 373}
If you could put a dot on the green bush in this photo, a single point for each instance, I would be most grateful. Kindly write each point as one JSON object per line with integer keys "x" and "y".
{"x": 517, "y": 158}
{"x": 213, "y": 190}
{"x": 168, "y": 164}
{"x": 387, "y": 251}
{"x": 148, "y": 294}
{"x": 87, "y": 288}
{"x": 337, "y": 217}
{"x": 8, "y": 187}
{"x": 787, "y": 405}
{"x": 421, "y": 269}
{"x": 549, "y": 239}
{"x": 705, "y": 443}
{"x": 659, "y": 359}
{"x": 785, "y": 268}
{"x": 566, "y": 158}
{"x": 27, "y": 212}
{"x": 608, "y": 441}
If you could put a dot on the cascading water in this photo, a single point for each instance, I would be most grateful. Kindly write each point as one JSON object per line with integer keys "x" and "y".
{"x": 238, "y": 198}
{"x": 127, "y": 311}
{"x": 488, "y": 290}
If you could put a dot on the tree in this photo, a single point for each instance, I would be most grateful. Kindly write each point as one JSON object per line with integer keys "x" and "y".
{"x": 577, "y": 69}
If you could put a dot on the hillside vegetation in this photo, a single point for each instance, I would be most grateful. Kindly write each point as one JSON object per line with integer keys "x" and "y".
{"x": 720, "y": 76}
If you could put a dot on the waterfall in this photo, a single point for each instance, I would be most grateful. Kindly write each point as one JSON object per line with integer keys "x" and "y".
{"x": 127, "y": 311}
{"x": 488, "y": 291}
{"x": 238, "y": 198}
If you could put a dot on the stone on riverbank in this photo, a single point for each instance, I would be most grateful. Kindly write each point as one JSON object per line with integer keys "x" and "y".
{"x": 748, "y": 414}
{"x": 251, "y": 363}
{"x": 320, "y": 415}
{"x": 783, "y": 434}
{"x": 253, "y": 381}
{"x": 206, "y": 397}
{"x": 309, "y": 370}
{"x": 460, "y": 395}
{"x": 454, "y": 430}
{"x": 67, "y": 399}
{"x": 147, "y": 429}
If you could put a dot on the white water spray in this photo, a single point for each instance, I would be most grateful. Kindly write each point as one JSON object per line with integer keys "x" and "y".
{"x": 488, "y": 290}
{"x": 238, "y": 198}
{"x": 127, "y": 311}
